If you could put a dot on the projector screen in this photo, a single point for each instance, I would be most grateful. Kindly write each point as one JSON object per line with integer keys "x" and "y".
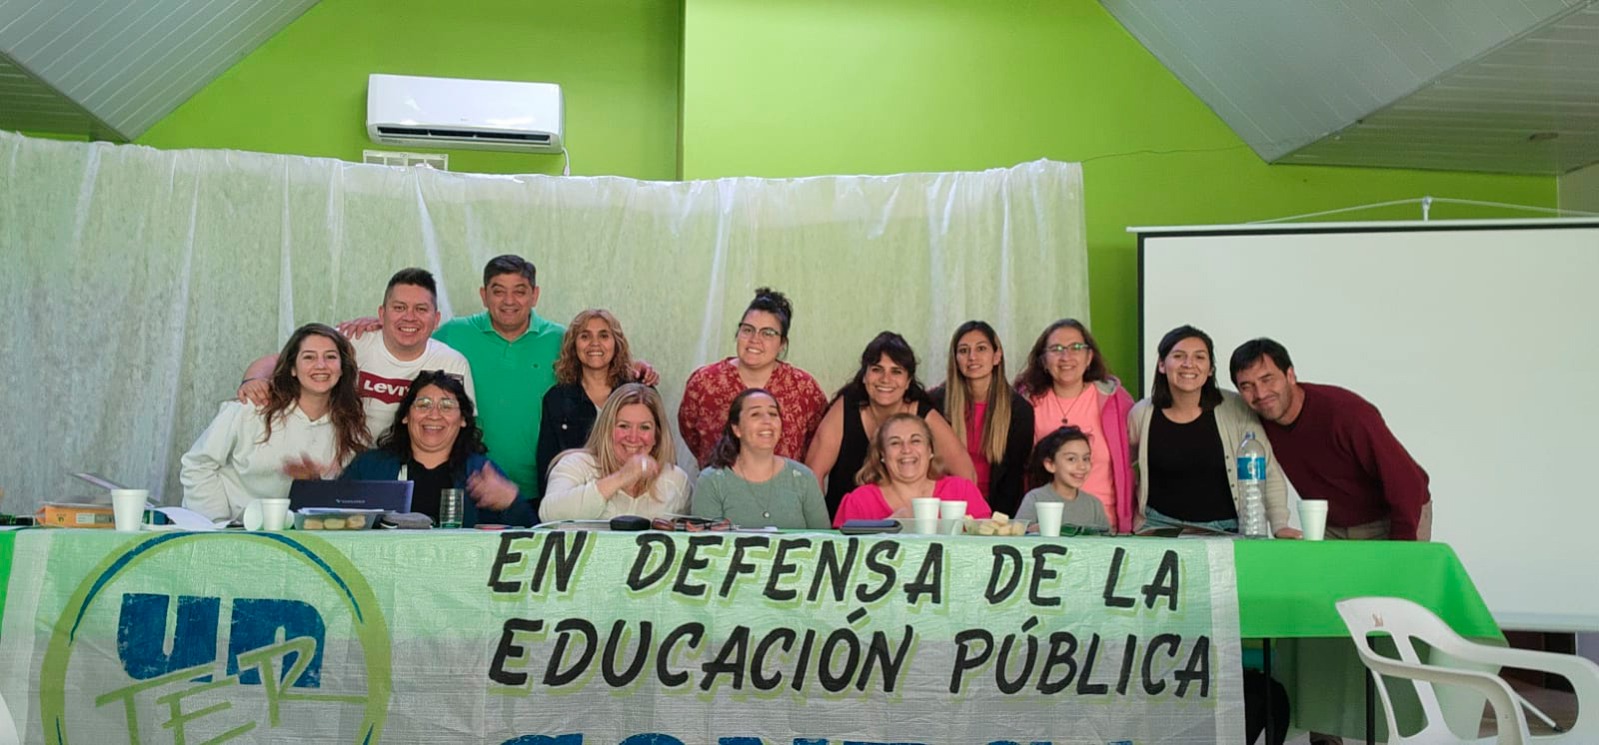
{"x": 1474, "y": 339}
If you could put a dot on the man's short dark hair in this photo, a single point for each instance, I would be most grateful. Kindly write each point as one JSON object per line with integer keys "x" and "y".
{"x": 1250, "y": 352}
{"x": 510, "y": 264}
{"x": 413, "y": 276}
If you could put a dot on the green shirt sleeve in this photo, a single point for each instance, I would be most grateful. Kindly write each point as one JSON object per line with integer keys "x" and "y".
{"x": 708, "y": 496}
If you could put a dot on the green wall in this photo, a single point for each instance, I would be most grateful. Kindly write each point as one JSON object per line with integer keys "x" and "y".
{"x": 781, "y": 88}
{"x": 304, "y": 90}
{"x": 785, "y": 88}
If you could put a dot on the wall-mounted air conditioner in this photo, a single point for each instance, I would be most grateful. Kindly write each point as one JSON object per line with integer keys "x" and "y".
{"x": 464, "y": 114}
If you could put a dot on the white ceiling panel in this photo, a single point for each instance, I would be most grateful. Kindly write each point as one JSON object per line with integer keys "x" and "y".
{"x": 129, "y": 63}
{"x": 1434, "y": 84}
{"x": 1530, "y": 105}
{"x": 31, "y": 106}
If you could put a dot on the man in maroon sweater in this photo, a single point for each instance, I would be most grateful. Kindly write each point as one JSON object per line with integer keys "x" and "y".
{"x": 1334, "y": 445}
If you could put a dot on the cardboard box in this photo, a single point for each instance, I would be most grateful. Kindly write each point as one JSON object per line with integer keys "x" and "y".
{"x": 76, "y": 516}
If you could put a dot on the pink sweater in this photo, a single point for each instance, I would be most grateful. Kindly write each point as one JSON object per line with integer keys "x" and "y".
{"x": 1114, "y": 406}
{"x": 866, "y": 502}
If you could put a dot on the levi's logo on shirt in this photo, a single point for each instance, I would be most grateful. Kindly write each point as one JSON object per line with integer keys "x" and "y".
{"x": 387, "y": 390}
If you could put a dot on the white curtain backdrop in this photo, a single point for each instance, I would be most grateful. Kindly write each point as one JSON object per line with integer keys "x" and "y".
{"x": 138, "y": 283}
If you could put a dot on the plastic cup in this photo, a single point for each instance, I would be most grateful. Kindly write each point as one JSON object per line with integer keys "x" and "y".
{"x": 1313, "y": 518}
{"x": 274, "y": 513}
{"x": 1049, "y": 514}
{"x": 450, "y": 507}
{"x": 924, "y": 515}
{"x": 951, "y": 516}
{"x": 127, "y": 507}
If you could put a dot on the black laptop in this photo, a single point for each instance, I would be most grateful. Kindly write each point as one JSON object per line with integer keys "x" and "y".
{"x": 390, "y": 496}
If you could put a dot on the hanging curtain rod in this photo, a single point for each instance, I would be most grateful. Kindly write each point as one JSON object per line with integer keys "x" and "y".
{"x": 1426, "y": 208}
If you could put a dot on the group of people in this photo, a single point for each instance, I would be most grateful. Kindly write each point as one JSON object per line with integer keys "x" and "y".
{"x": 540, "y": 423}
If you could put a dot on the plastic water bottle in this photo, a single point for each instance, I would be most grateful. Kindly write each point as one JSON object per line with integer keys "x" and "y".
{"x": 1252, "y": 480}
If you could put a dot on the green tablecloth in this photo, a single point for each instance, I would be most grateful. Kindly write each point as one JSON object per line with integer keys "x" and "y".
{"x": 1286, "y": 589}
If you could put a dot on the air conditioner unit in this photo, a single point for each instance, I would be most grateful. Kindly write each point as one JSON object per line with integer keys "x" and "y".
{"x": 464, "y": 114}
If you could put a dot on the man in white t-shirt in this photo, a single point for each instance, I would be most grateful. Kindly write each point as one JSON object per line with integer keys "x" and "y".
{"x": 389, "y": 361}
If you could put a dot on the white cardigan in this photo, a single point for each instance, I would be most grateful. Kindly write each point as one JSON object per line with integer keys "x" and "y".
{"x": 1233, "y": 419}
{"x": 573, "y": 493}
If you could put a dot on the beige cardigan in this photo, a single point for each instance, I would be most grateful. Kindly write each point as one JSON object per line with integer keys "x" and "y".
{"x": 1233, "y": 419}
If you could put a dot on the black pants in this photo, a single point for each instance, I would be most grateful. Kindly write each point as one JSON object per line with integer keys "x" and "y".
{"x": 1259, "y": 693}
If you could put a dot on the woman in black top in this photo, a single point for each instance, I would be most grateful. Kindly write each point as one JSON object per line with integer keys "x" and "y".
{"x": 991, "y": 419}
{"x": 884, "y": 385}
{"x": 594, "y": 361}
{"x": 1183, "y": 439}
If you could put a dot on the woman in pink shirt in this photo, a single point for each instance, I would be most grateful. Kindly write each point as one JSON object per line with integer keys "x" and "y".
{"x": 1068, "y": 384}
{"x": 900, "y": 466}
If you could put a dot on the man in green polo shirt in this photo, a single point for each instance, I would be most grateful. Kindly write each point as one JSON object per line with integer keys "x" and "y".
{"x": 512, "y": 351}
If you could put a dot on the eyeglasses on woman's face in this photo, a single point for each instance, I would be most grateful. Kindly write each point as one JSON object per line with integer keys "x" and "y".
{"x": 445, "y": 406}
{"x": 746, "y": 331}
{"x": 1061, "y": 350}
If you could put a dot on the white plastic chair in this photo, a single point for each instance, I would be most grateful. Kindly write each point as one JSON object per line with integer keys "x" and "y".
{"x": 1406, "y": 622}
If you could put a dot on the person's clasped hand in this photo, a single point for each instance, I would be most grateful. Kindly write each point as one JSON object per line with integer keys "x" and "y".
{"x": 640, "y": 468}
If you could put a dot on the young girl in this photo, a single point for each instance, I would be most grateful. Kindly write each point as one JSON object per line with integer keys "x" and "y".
{"x": 1061, "y": 461}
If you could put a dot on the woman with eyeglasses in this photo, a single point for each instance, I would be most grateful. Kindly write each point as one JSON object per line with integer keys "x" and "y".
{"x": 1068, "y": 384}
{"x": 594, "y": 360}
{"x": 1182, "y": 440}
{"x": 435, "y": 443}
{"x": 992, "y": 420}
{"x": 762, "y": 338}
{"x": 885, "y": 385}
{"x": 311, "y": 425}
{"x": 627, "y": 467}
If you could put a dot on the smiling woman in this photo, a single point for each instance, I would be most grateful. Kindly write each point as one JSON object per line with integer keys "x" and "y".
{"x": 762, "y": 337}
{"x": 901, "y": 466}
{"x": 435, "y": 443}
{"x": 1182, "y": 437}
{"x": 993, "y": 421}
{"x": 885, "y": 385}
{"x": 312, "y": 424}
{"x": 627, "y": 467}
{"x": 1068, "y": 384}
{"x": 595, "y": 359}
{"x": 748, "y": 483}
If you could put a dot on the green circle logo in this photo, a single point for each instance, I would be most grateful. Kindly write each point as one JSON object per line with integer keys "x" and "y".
{"x": 217, "y": 635}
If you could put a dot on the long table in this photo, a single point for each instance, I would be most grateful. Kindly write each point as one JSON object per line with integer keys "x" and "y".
{"x": 1285, "y": 590}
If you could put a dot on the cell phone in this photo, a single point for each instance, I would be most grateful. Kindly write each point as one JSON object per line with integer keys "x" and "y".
{"x": 863, "y": 527}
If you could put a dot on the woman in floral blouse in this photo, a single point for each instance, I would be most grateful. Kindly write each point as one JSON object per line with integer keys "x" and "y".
{"x": 762, "y": 338}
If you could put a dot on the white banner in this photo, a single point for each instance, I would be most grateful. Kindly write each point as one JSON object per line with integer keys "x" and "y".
{"x": 647, "y": 638}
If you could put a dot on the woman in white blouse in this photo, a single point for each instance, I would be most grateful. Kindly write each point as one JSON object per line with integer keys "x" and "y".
{"x": 310, "y": 427}
{"x": 628, "y": 466}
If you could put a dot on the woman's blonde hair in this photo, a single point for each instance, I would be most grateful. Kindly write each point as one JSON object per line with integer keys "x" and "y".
{"x": 875, "y": 471}
{"x": 957, "y": 399}
{"x": 568, "y": 370}
{"x": 599, "y": 443}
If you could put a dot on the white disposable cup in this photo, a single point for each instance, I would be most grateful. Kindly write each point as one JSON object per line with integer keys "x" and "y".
{"x": 951, "y": 516}
{"x": 924, "y": 515}
{"x": 274, "y": 513}
{"x": 127, "y": 506}
{"x": 1313, "y": 518}
{"x": 1049, "y": 514}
